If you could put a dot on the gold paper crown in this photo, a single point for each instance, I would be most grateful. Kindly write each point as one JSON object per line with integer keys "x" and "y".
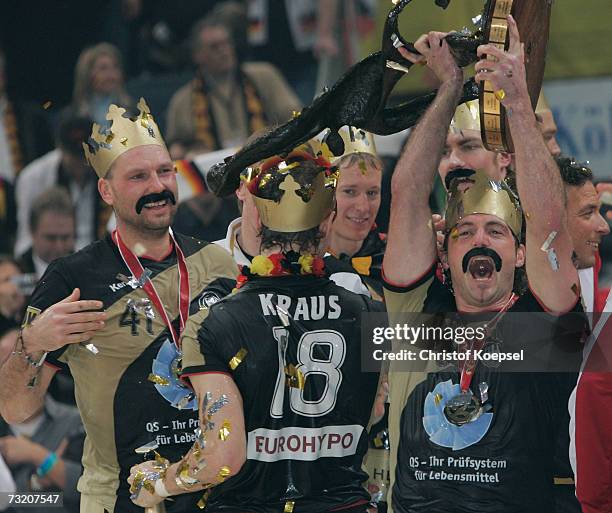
{"x": 298, "y": 209}
{"x": 467, "y": 117}
{"x": 542, "y": 105}
{"x": 484, "y": 196}
{"x": 105, "y": 145}
{"x": 356, "y": 141}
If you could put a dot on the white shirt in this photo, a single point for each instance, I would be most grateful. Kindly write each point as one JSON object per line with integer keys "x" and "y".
{"x": 6, "y": 157}
{"x": 36, "y": 178}
{"x": 230, "y": 243}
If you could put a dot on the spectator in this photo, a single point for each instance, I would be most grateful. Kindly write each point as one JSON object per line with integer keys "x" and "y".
{"x": 8, "y": 216}
{"x": 24, "y": 133}
{"x": 98, "y": 82}
{"x": 225, "y": 102}
{"x": 65, "y": 167}
{"x": 12, "y": 299}
{"x": 52, "y": 228}
{"x": 34, "y": 452}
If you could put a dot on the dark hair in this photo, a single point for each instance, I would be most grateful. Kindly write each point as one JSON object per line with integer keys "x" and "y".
{"x": 72, "y": 132}
{"x": 213, "y": 20}
{"x": 55, "y": 199}
{"x": 304, "y": 174}
{"x": 573, "y": 172}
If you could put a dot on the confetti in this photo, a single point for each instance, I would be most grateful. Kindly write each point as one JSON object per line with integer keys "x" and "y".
{"x": 147, "y": 448}
{"x": 363, "y": 168}
{"x": 454, "y": 233}
{"x": 295, "y": 377}
{"x": 576, "y": 290}
{"x": 202, "y": 502}
{"x": 438, "y": 399}
{"x": 200, "y": 438}
{"x": 217, "y": 405}
{"x": 91, "y": 348}
{"x": 289, "y": 506}
{"x": 237, "y": 358}
{"x": 546, "y": 246}
{"x": 224, "y": 432}
{"x": 158, "y": 380}
{"x": 553, "y": 260}
{"x": 124, "y": 141}
{"x": 47, "y": 104}
{"x": 224, "y": 473}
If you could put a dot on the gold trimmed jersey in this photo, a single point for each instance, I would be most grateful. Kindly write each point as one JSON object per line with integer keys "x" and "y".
{"x": 129, "y": 393}
{"x": 292, "y": 345}
{"x": 503, "y": 461}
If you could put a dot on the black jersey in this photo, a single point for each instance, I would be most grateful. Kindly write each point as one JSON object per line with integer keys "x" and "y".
{"x": 503, "y": 462}
{"x": 127, "y": 394}
{"x": 305, "y": 443}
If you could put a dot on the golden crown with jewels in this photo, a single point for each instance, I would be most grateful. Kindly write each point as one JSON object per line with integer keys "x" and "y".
{"x": 483, "y": 196}
{"x": 355, "y": 140}
{"x": 124, "y": 133}
{"x": 300, "y": 207}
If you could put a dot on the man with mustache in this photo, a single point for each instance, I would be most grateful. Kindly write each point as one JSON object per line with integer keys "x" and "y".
{"x": 114, "y": 313}
{"x": 470, "y": 438}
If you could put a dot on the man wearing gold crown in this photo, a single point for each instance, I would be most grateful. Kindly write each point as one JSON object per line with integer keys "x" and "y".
{"x": 284, "y": 350}
{"x": 356, "y": 246}
{"x": 470, "y": 438}
{"x": 113, "y": 313}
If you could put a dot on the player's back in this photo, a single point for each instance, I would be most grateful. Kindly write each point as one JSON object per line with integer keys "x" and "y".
{"x": 294, "y": 348}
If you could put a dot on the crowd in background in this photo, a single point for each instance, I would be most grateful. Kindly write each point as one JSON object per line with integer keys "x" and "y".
{"x": 215, "y": 72}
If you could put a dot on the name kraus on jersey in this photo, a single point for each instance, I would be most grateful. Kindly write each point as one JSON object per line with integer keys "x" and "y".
{"x": 306, "y": 401}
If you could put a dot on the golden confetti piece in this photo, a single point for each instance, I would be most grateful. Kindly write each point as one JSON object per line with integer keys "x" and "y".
{"x": 148, "y": 486}
{"x": 110, "y": 137}
{"x": 47, "y": 104}
{"x": 438, "y": 399}
{"x": 295, "y": 378}
{"x": 224, "y": 473}
{"x": 202, "y": 502}
{"x": 197, "y": 452}
{"x": 289, "y": 506}
{"x": 136, "y": 484}
{"x": 527, "y": 215}
{"x": 378, "y": 443}
{"x": 296, "y": 114}
{"x": 454, "y": 233}
{"x": 237, "y": 358}
{"x": 362, "y": 167}
{"x": 124, "y": 141}
{"x": 224, "y": 432}
{"x": 576, "y": 290}
{"x": 158, "y": 380}
{"x": 500, "y": 94}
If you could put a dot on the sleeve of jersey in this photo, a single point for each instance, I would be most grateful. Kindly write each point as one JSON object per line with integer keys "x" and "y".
{"x": 202, "y": 351}
{"x": 52, "y": 288}
{"x": 410, "y": 297}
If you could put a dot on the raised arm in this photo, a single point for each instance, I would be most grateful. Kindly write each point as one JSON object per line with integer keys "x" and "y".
{"x": 411, "y": 246}
{"x": 550, "y": 270}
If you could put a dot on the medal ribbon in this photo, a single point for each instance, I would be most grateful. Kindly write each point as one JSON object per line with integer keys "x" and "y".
{"x": 469, "y": 367}
{"x": 135, "y": 267}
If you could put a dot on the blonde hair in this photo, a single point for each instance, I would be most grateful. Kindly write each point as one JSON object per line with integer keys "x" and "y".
{"x": 82, "y": 76}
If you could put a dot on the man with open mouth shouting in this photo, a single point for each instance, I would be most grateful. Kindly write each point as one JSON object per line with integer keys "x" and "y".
{"x": 466, "y": 434}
